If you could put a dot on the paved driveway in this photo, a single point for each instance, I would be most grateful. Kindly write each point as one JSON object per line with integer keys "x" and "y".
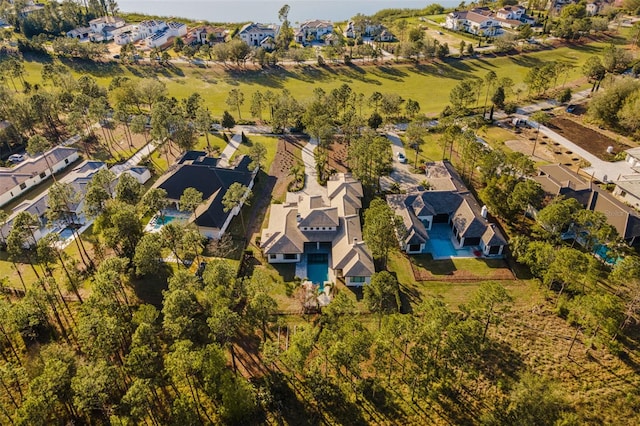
{"x": 311, "y": 185}
{"x": 401, "y": 172}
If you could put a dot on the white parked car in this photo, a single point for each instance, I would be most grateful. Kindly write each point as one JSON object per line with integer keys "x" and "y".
{"x": 401, "y": 158}
{"x": 17, "y": 158}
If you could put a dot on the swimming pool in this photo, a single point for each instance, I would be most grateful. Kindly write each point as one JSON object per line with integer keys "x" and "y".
{"x": 66, "y": 233}
{"x": 440, "y": 245}
{"x": 318, "y": 268}
{"x": 158, "y": 222}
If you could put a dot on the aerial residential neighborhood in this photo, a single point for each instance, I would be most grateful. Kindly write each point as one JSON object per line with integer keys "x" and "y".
{"x": 229, "y": 213}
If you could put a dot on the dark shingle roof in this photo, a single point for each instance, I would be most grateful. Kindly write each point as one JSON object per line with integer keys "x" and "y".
{"x": 195, "y": 171}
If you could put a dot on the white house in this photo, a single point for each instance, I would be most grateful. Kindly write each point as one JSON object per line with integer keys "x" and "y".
{"x": 321, "y": 232}
{"x": 628, "y": 190}
{"x": 148, "y": 28}
{"x": 311, "y": 31}
{"x": 365, "y": 28}
{"x": 78, "y": 179}
{"x": 81, "y": 33}
{"x": 160, "y": 38}
{"x": 633, "y": 157}
{"x": 17, "y": 180}
{"x": 101, "y": 29}
{"x": 385, "y": 36}
{"x": 592, "y": 8}
{"x": 198, "y": 171}
{"x": 99, "y": 24}
{"x": 483, "y": 21}
{"x": 448, "y": 212}
{"x": 209, "y": 35}
{"x": 253, "y": 34}
{"x": 476, "y": 21}
{"x": 141, "y": 174}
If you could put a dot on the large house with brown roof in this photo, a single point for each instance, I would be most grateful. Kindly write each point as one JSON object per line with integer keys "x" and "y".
{"x": 312, "y": 229}
{"x": 445, "y": 221}
{"x": 17, "y": 180}
{"x": 558, "y": 180}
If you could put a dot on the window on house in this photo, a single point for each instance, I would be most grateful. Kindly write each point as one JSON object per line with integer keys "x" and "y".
{"x": 66, "y": 161}
{"x": 23, "y": 185}
{"x": 43, "y": 175}
{"x": 290, "y": 256}
{"x": 414, "y": 247}
{"x": 357, "y": 279}
{"x": 272, "y": 256}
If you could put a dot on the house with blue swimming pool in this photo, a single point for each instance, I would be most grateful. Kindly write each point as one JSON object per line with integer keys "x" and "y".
{"x": 197, "y": 170}
{"x": 78, "y": 179}
{"x": 446, "y": 220}
{"x": 321, "y": 234}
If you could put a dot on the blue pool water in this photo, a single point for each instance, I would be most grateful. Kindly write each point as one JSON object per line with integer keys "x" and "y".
{"x": 440, "y": 245}
{"x": 604, "y": 253}
{"x": 66, "y": 233}
{"x": 318, "y": 268}
{"x": 159, "y": 222}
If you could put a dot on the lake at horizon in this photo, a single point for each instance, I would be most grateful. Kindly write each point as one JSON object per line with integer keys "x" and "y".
{"x": 266, "y": 11}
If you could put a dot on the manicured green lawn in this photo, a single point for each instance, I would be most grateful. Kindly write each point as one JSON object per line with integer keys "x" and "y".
{"x": 269, "y": 142}
{"x": 430, "y": 149}
{"x": 496, "y": 137}
{"x": 525, "y": 292}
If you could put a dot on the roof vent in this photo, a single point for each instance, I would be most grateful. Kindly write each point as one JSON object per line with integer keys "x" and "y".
{"x": 484, "y": 211}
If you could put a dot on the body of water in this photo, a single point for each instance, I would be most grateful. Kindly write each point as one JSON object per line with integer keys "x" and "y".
{"x": 266, "y": 11}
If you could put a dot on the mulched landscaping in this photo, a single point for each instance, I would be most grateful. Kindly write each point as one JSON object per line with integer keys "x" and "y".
{"x": 338, "y": 157}
{"x": 287, "y": 155}
{"x": 594, "y": 142}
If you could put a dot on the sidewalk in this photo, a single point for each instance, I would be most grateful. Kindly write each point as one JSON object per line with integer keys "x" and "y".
{"x": 136, "y": 159}
{"x": 311, "y": 185}
{"x": 229, "y": 150}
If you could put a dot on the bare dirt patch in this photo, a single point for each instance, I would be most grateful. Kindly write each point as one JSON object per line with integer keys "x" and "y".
{"x": 594, "y": 142}
{"x": 287, "y": 155}
{"x": 338, "y": 157}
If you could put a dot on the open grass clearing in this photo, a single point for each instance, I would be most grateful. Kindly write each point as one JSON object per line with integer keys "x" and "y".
{"x": 428, "y": 83}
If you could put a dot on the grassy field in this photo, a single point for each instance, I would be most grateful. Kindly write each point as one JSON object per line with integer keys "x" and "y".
{"x": 428, "y": 83}
{"x": 269, "y": 142}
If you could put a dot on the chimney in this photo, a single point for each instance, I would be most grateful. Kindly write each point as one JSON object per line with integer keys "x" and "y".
{"x": 298, "y": 218}
{"x": 484, "y": 211}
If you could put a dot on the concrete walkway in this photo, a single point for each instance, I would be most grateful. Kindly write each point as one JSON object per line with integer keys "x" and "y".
{"x": 230, "y": 149}
{"x": 311, "y": 185}
{"x": 136, "y": 159}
